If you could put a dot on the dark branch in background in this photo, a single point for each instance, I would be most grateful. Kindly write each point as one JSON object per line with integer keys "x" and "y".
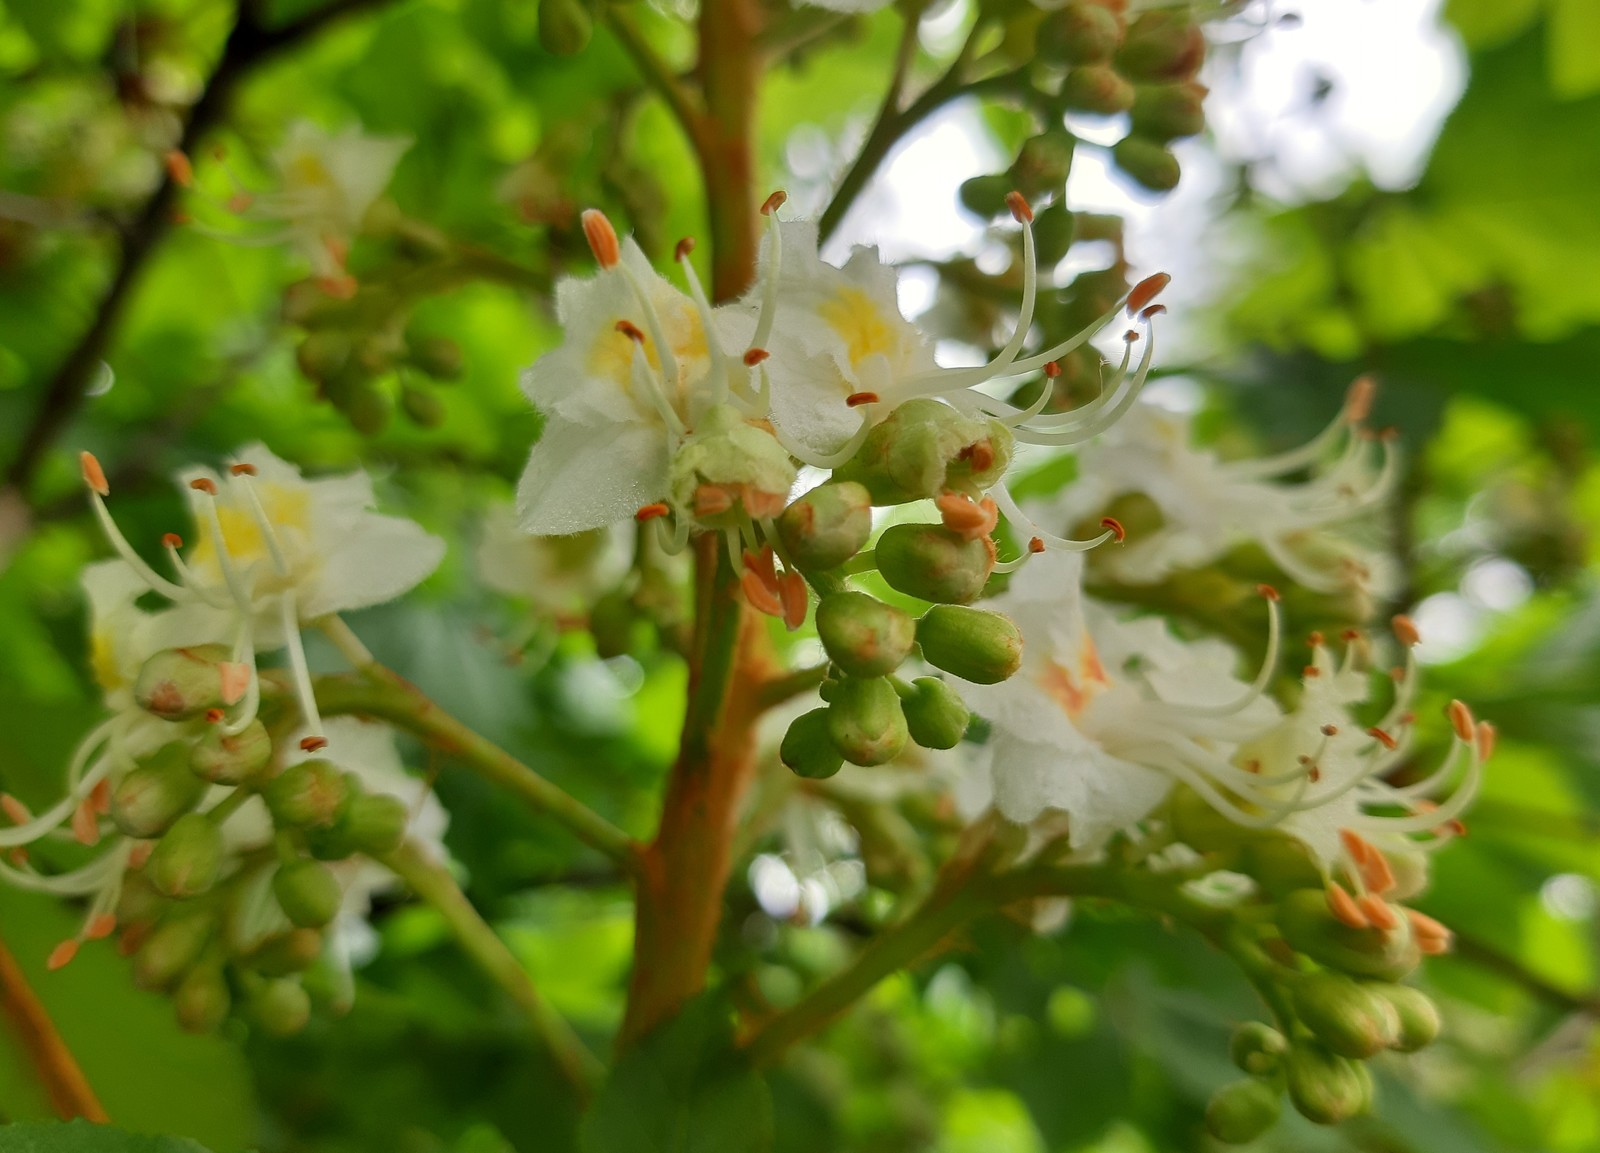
{"x": 249, "y": 44}
{"x": 63, "y": 1080}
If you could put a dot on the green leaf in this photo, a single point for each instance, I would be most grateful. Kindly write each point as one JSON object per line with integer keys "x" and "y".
{"x": 84, "y": 1137}
{"x": 683, "y": 1090}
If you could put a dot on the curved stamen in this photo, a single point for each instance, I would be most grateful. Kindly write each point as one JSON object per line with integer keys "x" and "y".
{"x": 697, "y": 293}
{"x": 652, "y": 321}
{"x": 1354, "y": 410}
{"x": 1263, "y": 678}
{"x": 1049, "y": 431}
{"x": 242, "y": 475}
{"x": 113, "y": 534}
{"x": 230, "y": 574}
{"x": 829, "y": 460}
{"x": 646, "y": 381}
{"x": 56, "y": 814}
{"x": 1019, "y": 519}
{"x": 297, "y": 664}
{"x": 769, "y": 280}
{"x": 244, "y": 653}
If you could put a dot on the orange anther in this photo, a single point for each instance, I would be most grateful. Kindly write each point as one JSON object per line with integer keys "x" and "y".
{"x": 1021, "y": 210}
{"x": 1269, "y": 592}
{"x": 1344, "y": 908}
{"x": 602, "y": 238}
{"x": 1461, "y": 720}
{"x": 774, "y": 202}
{"x": 62, "y": 955}
{"x": 1358, "y": 400}
{"x": 179, "y": 169}
{"x": 204, "y": 484}
{"x": 85, "y": 826}
{"x": 171, "y": 540}
{"x": 1130, "y": 337}
{"x": 101, "y": 927}
{"x": 712, "y": 500}
{"x": 1379, "y": 912}
{"x": 1311, "y": 671}
{"x": 1114, "y": 525}
{"x": 93, "y": 475}
{"x": 1147, "y": 290}
{"x": 1350, "y": 636}
{"x": 1377, "y": 875}
{"x": 214, "y": 716}
{"x": 242, "y": 469}
{"x": 962, "y": 515}
{"x": 313, "y": 744}
{"x": 16, "y": 812}
{"x": 1359, "y": 848}
{"x": 1405, "y": 630}
{"x": 1052, "y": 369}
{"x": 979, "y": 455}
{"x": 754, "y": 356}
{"x": 792, "y": 594}
{"x": 100, "y": 797}
{"x": 235, "y": 680}
{"x": 239, "y": 203}
{"x": 1486, "y": 740}
{"x": 857, "y": 399}
{"x": 651, "y": 511}
{"x": 683, "y": 248}
{"x": 1330, "y": 730}
{"x": 140, "y": 853}
{"x": 762, "y": 598}
{"x": 1315, "y": 640}
{"x": 1383, "y": 738}
{"x": 630, "y": 330}
{"x": 1035, "y": 544}
{"x": 1152, "y": 312}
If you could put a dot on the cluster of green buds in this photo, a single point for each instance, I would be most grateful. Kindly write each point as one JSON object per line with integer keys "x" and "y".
{"x": 365, "y": 360}
{"x": 924, "y": 450}
{"x": 214, "y": 911}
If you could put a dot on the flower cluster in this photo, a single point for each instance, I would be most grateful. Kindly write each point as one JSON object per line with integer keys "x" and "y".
{"x": 222, "y": 839}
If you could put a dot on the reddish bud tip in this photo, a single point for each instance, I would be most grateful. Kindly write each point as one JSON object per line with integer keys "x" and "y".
{"x": 754, "y": 356}
{"x": 313, "y": 744}
{"x": 857, "y": 399}
{"x": 171, "y": 540}
{"x": 1021, "y": 210}
{"x": 683, "y": 249}
{"x": 93, "y": 475}
{"x": 61, "y": 956}
{"x": 651, "y": 511}
{"x": 1035, "y": 545}
{"x": 1268, "y": 592}
{"x": 1052, "y": 369}
{"x": 602, "y": 238}
{"x": 179, "y": 170}
{"x": 630, "y": 330}
{"x": 101, "y": 927}
{"x": 1146, "y": 291}
{"x": 242, "y": 469}
{"x": 1461, "y": 720}
{"x": 204, "y": 484}
{"x": 1114, "y": 526}
{"x": 774, "y": 202}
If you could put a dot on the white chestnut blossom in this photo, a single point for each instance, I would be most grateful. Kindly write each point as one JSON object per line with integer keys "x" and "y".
{"x": 560, "y": 576}
{"x": 1310, "y": 527}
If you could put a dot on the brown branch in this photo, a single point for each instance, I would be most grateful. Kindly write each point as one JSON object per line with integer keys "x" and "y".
{"x": 249, "y": 44}
{"x": 57, "y": 1068}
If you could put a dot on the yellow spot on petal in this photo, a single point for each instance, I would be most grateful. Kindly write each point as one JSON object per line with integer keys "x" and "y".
{"x": 861, "y": 324}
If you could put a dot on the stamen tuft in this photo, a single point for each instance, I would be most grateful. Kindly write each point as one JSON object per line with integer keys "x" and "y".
{"x": 602, "y": 238}
{"x": 857, "y": 399}
{"x": 1461, "y": 719}
{"x": 1021, "y": 210}
{"x": 93, "y": 475}
{"x": 1115, "y": 525}
{"x": 774, "y": 202}
{"x": 651, "y": 511}
{"x": 1146, "y": 291}
{"x": 61, "y": 956}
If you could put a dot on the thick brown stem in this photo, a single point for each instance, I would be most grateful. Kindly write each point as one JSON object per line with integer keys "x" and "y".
{"x": 730, "y": 70}
{"x": 57, "y": 1068}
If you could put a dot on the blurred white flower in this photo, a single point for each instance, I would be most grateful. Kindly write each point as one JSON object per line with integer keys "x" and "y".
{"x": 557, "y": 575}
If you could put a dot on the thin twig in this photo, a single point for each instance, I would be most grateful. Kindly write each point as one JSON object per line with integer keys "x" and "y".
{"x": 58, "y": 1069}
{"x": 683, "y": 103}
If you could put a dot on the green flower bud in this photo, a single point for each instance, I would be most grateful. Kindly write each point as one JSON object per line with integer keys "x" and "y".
{"x": 1310, "y": 927}
{"x": 1162, "y": 44}
{"x": 864, "y": 636}
{"x": 1416, "y": 1013}
{"x": 1097, "y": 88}
{"x": 365, "y": 406}
{"x": 865, "y": 722}
{"x": 201, "y": 1001}
{"x": 438, "y": 356}
{"x": 1241, "y": 1112}
{"x": 827, "y": 526}
{"x": 1169, "y": 111}
{"x": 985, "y": 195}
{"x": 807, "y": 749}
{"x": 1257, "y": 1048}
{"x": 172, "y": 947}
{"x": 156, "y": 793}
{"x": 187, "y": 858}
{"x": 1325, "y": 1087}
{"x": 1280, "y": 863}
{"x": 974, "y": 644}
{"x": 1148, "y": 162}
{"x": 1054, "y": 230}
{"x": 310, "y": 794}
{"x": 1345, "y": 1016}
{"x": 422, "y": 407}
{"x": 138, "y": 901}
{"x": 375, "y": 823}
{"x": 936, "y": 716}
{"x": 564, "y": 26}
{"x": 322, "y": 354}
{"x": 727, "y": 452}
{"x": 1081, "y": 33}
{"x": 177, "y": 684}
{"x": 291, "y": 952}
{"x": 308, "y": 892}
{"x": 923, "y": 448}
{"x": 1044, "y": 162}
{"x": 933, "y": 563}
{"x": 231, "y": 760}
{"x": 281, "y": 1007}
